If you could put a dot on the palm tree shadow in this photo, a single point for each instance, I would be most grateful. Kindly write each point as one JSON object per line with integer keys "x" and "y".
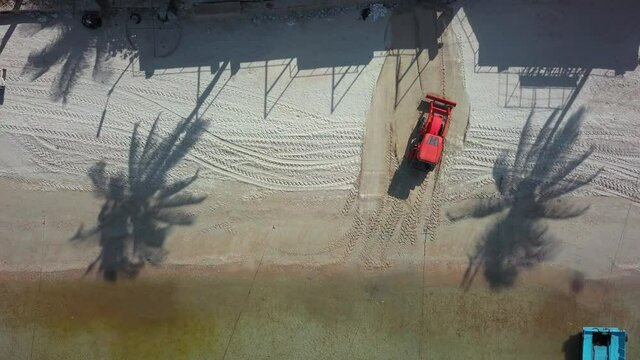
{"x": 532, "y": 184}
{"x": 74, "y": 47}
{"x": 142, "y": 206}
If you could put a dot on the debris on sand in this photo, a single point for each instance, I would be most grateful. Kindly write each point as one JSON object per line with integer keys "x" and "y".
{"x": 91, "y": 20}
{"x": 365, "y": 13}
{"x": 378, "y": 11}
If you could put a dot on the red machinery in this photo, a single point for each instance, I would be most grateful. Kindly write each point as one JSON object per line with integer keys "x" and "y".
{"x": 430, "y": 139}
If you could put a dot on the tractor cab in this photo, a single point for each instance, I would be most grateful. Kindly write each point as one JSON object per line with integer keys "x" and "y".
{"x": 430, "y": 149}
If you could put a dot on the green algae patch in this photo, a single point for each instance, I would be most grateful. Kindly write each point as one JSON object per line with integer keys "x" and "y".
{"x": 300, "y": 315}
{"x": 141, "y": 319}
{"x": 130, "y": 319}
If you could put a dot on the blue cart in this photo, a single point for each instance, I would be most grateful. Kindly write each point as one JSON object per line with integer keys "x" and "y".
{"x": 604, "y": 343}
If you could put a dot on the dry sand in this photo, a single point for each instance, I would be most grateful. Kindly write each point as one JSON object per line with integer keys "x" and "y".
{"x": 564, "y": 72}
{"x": 503, "y": 92}
{"x": 302, "y": 129}
{"x": 244, "y": 225}
{"x": 283, "y": 114}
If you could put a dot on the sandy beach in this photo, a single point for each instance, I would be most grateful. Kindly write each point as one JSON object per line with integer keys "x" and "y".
{"x": 287, "y": 222}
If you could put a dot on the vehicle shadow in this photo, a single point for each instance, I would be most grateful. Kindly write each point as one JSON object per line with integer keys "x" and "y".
{"x": 572, "y": 347}
{"x": 142, "y": 206}
{"x": 410, "y": 173}
{"x": 531, "y": 184}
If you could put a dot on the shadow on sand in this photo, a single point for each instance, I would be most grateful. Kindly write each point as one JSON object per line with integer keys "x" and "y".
{"x": 11, "y": 28}
{"x": 342, "y": 52}
{"x": 570, "y": 45}
{"x": 531, "y": 188}
{"x": 141, "y": 207}
{"x": 572, "y": 347}
{"x": 75, "y": 47}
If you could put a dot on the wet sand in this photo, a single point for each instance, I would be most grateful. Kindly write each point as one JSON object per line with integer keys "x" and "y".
{"x": 286, "y": 313}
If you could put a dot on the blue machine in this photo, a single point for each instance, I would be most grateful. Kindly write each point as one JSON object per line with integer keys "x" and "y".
{"x": 604, "y": 343}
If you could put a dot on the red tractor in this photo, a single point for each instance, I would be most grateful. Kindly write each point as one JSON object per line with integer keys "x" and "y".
{"x": 430, "y": 139}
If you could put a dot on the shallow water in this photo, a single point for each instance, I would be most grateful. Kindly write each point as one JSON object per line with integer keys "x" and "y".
{"x": 309, "y": 315}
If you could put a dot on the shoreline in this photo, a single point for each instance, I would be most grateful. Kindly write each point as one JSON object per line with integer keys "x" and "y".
{"x": 446, "y": 274}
